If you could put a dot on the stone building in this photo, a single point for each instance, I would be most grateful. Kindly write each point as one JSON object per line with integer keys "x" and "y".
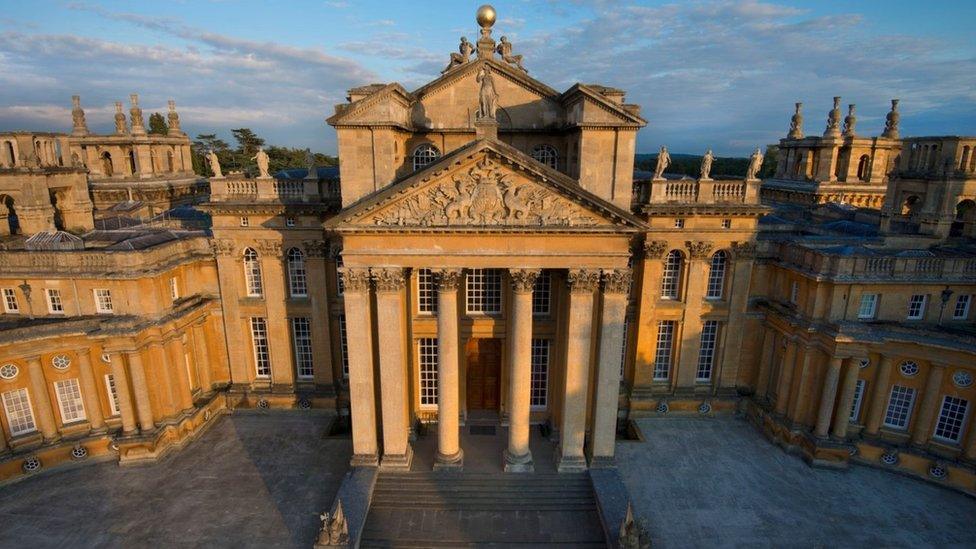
{"x": 484, "y": 258}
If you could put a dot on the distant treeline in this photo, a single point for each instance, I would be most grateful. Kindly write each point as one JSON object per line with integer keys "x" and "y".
{"x": 689, "y": 164}
{"x": 240, "y": 158}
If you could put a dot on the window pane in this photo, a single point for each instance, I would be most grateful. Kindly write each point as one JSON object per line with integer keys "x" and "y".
{"x": 20, "y": 418}
{"x": 113, "y": 394}
{"x": 426, "y": 293}
{"x": 858, "y": 397}
{"x": 665, "y": 348}
{"x": 951, "y": 419}
{"x": 716, "y": 275}
{"x": 343, "y": 346}
{"x": 542, "y": 294}
{"x": 540, "y": 373}
{"x": 899, "y": 407}
{"x": 484, "y": 291}
{"x": 259, "y": 338}
{"x": 302, "y": 338}
{"x": 671, "y": 275}
{"x": 69, "y": 400}
{"x": 706, "y": 353}
{"x": 297, "y": 283}
{"x": 427, "y": 352}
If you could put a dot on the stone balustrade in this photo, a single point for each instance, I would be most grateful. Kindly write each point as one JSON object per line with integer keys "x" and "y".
{"x": 691, "y": 191}
{"x": 236, "y": 189}
{"x": 101, "y": 262}
{"x": 869, "y": 267}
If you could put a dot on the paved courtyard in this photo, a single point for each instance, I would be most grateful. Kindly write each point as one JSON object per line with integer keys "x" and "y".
{"x": 718, "y": 482}
{"x": 260, "y": 479}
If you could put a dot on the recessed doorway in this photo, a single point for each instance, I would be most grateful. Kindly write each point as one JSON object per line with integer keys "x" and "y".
{"x": 484, "y": 358}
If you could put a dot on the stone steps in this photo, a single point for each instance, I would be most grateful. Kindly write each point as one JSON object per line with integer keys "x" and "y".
{"x": 482, "y": 510}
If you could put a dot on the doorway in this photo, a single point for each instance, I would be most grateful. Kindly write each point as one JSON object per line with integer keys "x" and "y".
{"x": 483, "y": 381}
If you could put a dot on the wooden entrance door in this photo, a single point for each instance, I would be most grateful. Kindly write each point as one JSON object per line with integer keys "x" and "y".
{"x": 484, "y": 369}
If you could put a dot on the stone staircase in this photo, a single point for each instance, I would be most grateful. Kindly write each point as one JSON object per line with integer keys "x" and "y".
{"x": 483, "y": 510}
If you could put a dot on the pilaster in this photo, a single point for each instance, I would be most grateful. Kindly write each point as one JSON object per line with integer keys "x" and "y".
{"x": 693, "y": 283}
{"x": 121, "y": 379}
{"x": 842, "y": 417}
{"x": 785, "y": 377}
{"x": 180, "y": 376}
{"x": 42, "y": 400}
{"x": 89, "y": 391}
{"x": 879, "y": 396}
{"x": 140, "y": 390}
{"x": 929, "y": 406}
{"x": 827, "y": 397}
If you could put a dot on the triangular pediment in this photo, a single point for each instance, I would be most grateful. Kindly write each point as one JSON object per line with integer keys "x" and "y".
{"x": 485, "y": 185}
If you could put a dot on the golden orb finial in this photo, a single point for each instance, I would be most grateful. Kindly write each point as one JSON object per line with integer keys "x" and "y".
{"x": 486, "y": 16}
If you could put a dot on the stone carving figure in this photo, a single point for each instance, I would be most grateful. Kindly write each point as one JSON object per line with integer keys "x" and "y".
{"x": 755, "y": 164}
{"x": 487, "y": 97}
{"x": 214, "y": 163}
{"x": 335, "y": 530}
{"x": 706, "y": 165}
{"x": 78, "y": 116}
{"x": 457, "y": 59}
{"x": 850, "y": 121}
{"x": 310, "y": 165}
{"x": 505, "y": 50}
{"x": 663, "y": 161}
{"x": 261, "y": 158}
{"x": 796, "y": 123}
{"x": 891, "y": 121}
{"x": 833, "y": 120}
{"x": 120, "y": 125}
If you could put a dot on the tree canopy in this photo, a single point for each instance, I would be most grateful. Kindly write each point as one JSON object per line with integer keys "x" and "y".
{"x": 157, "y": 124}
{"x": 241, "y": 158}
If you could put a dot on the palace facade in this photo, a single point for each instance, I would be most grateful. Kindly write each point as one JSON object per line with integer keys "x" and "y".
{"x": 486, "y": 256}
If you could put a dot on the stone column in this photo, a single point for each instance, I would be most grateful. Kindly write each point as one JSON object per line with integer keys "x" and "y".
{"x": 970, "y": 452}
{"x": 798, "y": 405}
{"x": 140, "y": 390}
{"x": 165, "y": 386}
{"x": 879, "y": 396}
{"x": 929, "y": 406}
{"x": 3, "y": 442}
{"x": 762, "y": 377}
{"x": 202, "y": 357}
{"x": 390, "y": 284}
{"x": 89, "y": 391}
{"x": 121, "y": 380}
{"x": 278, "y": 325}
{"x": 827, "y": 397}
{"x": 316, "y": 267}
{"x": 42, "y": 400}
{"x": 843, "y": 415}
{"x": 616, "y": 285}
{"x": 181, "y": 379}
{"x": 693, "y": 287}
{"x": 785, "y": 377}
{"x": 582, "y": 283}
{"x": 362, "y": 402}
{"x": 518, "y": 456}
{"x": 449, "y": 452}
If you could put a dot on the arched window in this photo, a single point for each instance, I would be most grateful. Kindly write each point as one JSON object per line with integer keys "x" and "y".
{"x": 424, "y": 156}
{"x": 964, "y": 161}
{"x": 297, "y": 285}
{"x": 547, "y": 155}
{"x": 10, "y": 159}
{"x": 910, "y": 205}
{"x": 107, "y": 170}
{"x": 252, "y": 273}
{"x": 170, "y": 162}
{"x": 671, "y": 276}
{"x": 132, "y": 162}
{"x": 864, "y": 167}
{"x": 716, "y": 275}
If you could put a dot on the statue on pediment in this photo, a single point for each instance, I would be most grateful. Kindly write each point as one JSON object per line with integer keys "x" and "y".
{"x": 487, "y": 96}
{"x": 457, "y": 59}
{"x": 261, "y": 158}
{"x": 214, "y": 163}
{"x": 663, "y": 161}
{"x": 505, "y": 50}
{"x": 312, "y": 172}
{"x": 706, "y": 165}
{"x": 755, "y": 164}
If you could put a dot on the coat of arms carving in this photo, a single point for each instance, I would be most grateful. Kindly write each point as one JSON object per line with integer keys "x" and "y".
{"x": 485, "y": 195}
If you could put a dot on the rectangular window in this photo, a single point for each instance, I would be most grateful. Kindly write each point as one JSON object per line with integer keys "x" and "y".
{"x": 103, "y": 301}
{"x": 113, "y": 394}
{"x": 665, "y": 349}
{"x": 343, "y": 347}
{"x": 951, "y": 419}
{"x": 706, "y": 353}
{"x": 959, "y": 312}
{"x": 340, "y": 287}
{"x": 868, "y": 307}
{"x": 858, "y": 397}
{"x": 426, "y": 292}
{"x": 174, "y": 289}
{"x": 794, "y": 292}
{"x": 289, "y": 222}
{"x": 726, "y": 223}
{"x": 54, "y": 303}
{"x": 916, "y": 307}
{"x": 301, "y": 332}
{"x": 10, "y": 303}
{"x": 539, "y": 398}
{"x": 483, "y": 289}
{"x": 262, "y": 354}
{"x": 427, "y": 352}
{"x": 679, "y": 223}
{"x": 69, "y": 400}
{"x": 19, "y": 416}
{"x": 900, "y": 403}
{"x": 542, "y": 294}
{"x": 245, "y": 221}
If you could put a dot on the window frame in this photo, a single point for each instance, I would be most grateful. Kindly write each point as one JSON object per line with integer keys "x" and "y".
{"x": 113, "y": 395}
{"x": 707, "y": 345}
{"x": 103, "y": 301}
{"x": 922, "y": 305}
{"x": 428, "y": 370}
{"x": 174, "y": 289}
{"x": 488, "y": 284}
{"x": 52, "y": 295}
{"x": 907, "y": 410}
{"x": 419, "y": 162}
{"x": 542, "y": 295}
{"x": 671, "y": 274}
{"x": 961, "y": 421}
{"x": 343, "y": 346}
{"x": 874, "y": 306}
{"x": 966, "y": 300}
{"x": 70, "y": 388}
{"x": 426, "y": 293}
{"x": 24, "y": 406}
{"x": 546, "y": 155}
{"x": 11, "y": 305}
{"x": 540, "y": 353}
{"x": 719, "y": 263}
{"x": 302, "y": 346}
{"x": 260, "y": 347}
{"x": 859, "y": 387}
{"x": 665, "y": 352}
{"x": 297, "y": 273}
{"x": 253, "y": 277}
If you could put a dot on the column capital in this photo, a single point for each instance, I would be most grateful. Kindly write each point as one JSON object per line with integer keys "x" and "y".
{"x": 655, "y": 248}
{"x": 355, "y": 279}
{"x": 698, "y": 249}
{"x": 335, "y": 250}
{"x": 448, "y": 280}
{"x": 583, "y": 280}
{"x": 523, "y": 280}
{"x": 222, "y": 246}
{"x": 744, "y": 250}
{"x": 389, "y": 279}
{"x": 617, "y": 281}
{"x": 315, "y": 248}
{"x": 269, "y": 247}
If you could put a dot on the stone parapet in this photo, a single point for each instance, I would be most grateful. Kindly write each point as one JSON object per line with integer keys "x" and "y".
{"x": 104, "y": 264}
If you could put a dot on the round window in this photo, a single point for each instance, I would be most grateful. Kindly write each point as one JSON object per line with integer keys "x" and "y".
{"x": 962, "y": 378}
{"x": 908, "y": 368}
{"x": 864, "y": 363}
{"x": 106, "y": 358}
{"x": 61, "y": 362}
{"x": 9, "y": 371}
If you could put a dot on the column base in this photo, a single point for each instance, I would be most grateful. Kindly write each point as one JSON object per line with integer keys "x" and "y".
{"x": 603, "y": 462}
{"x": 518, "y": 464}
{"x": 570, "y": 464}
{"x": 397, "y": 462}
{"x": 449, "y": 463}
{"x": 364, "y": 460}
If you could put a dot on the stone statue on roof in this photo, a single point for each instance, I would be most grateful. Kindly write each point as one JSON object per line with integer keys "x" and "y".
{"x": 706, "y": 165}
{"x": 487, "y": 96}
{"x": 457, "y": 59}
{"x": 505, "y": 50}
{"x": 755, "y": 164}
{"x": 663, "y": 161}
{"x": 261, "y": 158}
{"x": 214, "y": 163}
{"x": 310, "y": 164}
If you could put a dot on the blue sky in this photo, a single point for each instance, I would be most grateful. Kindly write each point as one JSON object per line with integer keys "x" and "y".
{"x": 719, "y": 74}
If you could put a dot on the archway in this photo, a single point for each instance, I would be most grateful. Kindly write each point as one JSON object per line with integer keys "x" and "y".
{"x": 863, "y": 167}
{"x": 910, "y": 206}
{"x": 9, "y": 157}
{"x": 965, "y": 219}
{"x": 9, "y": 214}
{"x": 106, "y": 160}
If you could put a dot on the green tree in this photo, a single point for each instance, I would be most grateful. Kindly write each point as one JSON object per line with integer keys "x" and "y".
{"x": 157, "y": 124}
{"x": 210, "y": 142}
{"x": 247, "y": 141}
